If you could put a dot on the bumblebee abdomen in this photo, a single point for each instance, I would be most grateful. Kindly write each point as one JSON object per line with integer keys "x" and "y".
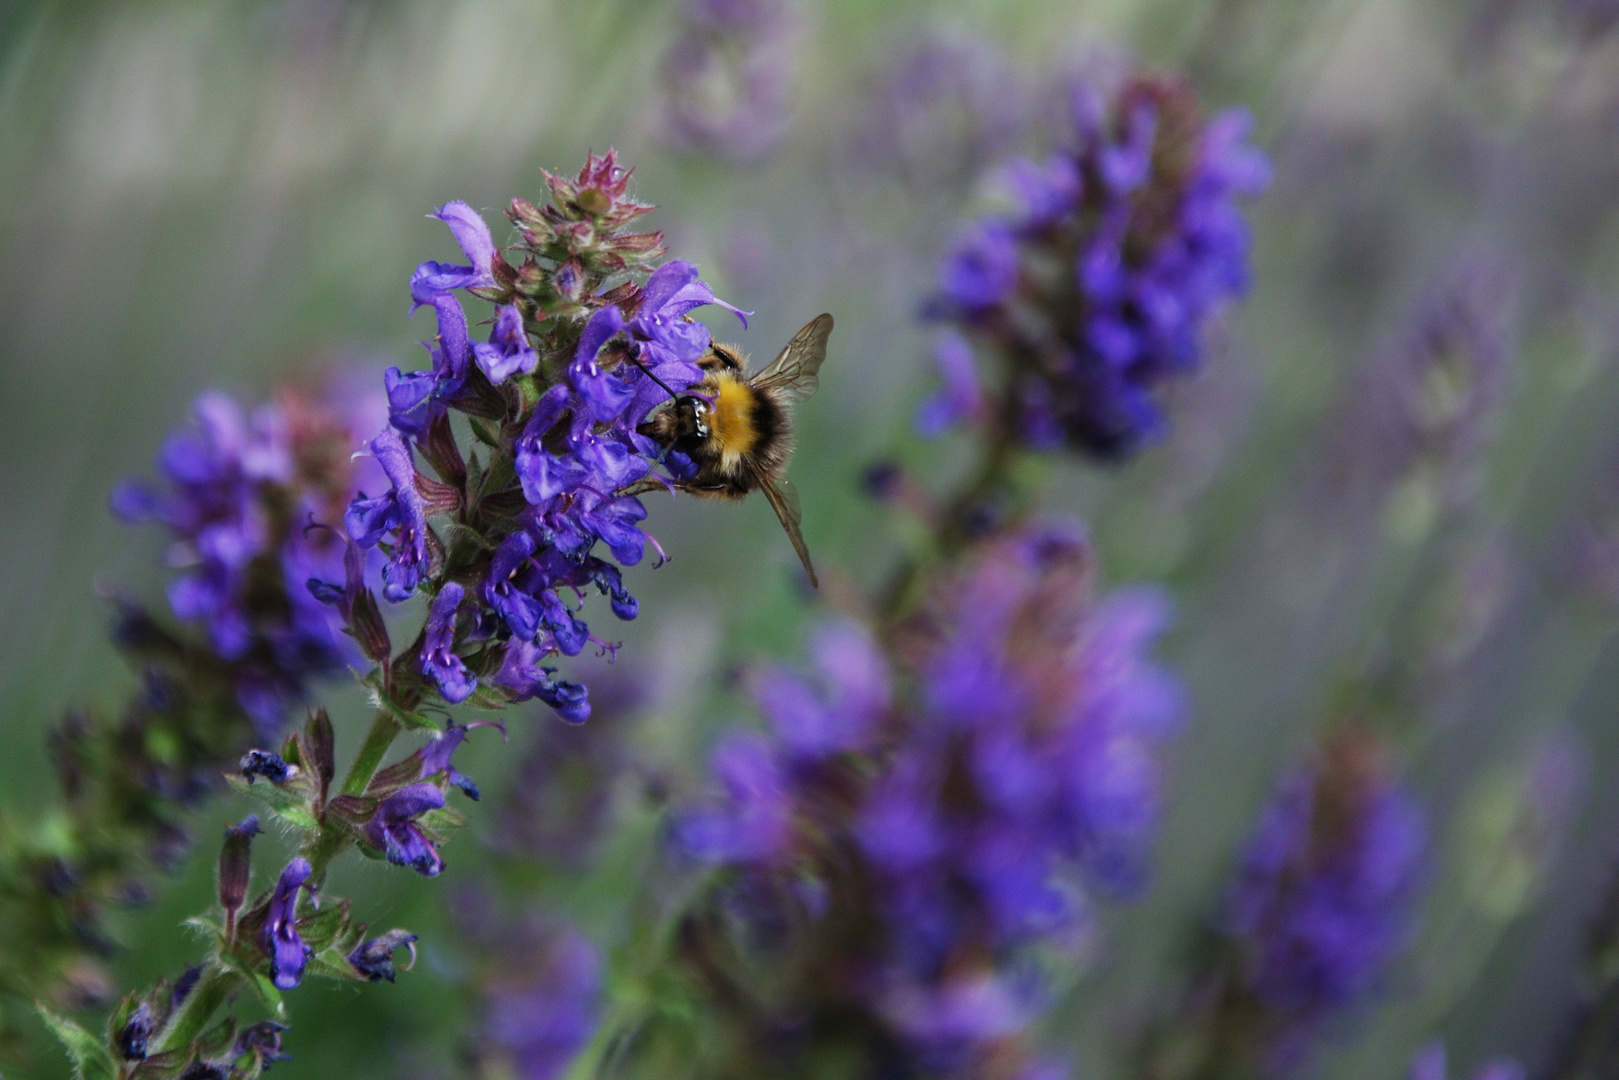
{"x": 733, "y": 419}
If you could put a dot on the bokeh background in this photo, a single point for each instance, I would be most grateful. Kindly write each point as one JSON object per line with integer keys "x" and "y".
{"x": 233, "y": 194}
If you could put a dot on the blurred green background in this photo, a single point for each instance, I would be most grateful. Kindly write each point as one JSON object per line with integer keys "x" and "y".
{"x": 228, "y": 195}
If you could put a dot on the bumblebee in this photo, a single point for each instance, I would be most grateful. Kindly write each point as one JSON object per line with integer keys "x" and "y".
{"x": 737, "y": 428}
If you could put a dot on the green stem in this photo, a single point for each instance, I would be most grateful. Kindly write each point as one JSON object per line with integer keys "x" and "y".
{"x": 954, "y": 525}
{"x": 384, "y": 729}
{"x": 213, "y": 987}
{"x": 330, "y": 840}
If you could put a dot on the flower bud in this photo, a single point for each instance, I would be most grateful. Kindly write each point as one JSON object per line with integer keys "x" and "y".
{"x": 235, "y": 868}
{"x": 136, "y": 1034}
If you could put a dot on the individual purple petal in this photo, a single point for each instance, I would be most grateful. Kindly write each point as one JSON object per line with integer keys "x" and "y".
{"x": 412, "y": 403}
{"x": 454, "y": 351}
{"x": 394, "y": 831}
{"x": 473, "y": 235}
{"x": 408, "y": 563}
{"x": 286, "y": 949}
{"x": 508, "y": 351}
{"x": 439, "y": 661}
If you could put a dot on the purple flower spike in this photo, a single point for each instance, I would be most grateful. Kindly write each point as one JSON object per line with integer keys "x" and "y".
{"x": 394, "y": 831}
{"x": 1325, "y": 896}
{"x": 287, "y": 950}
{"x": 1143, "y": 207}
{"x": 237, "y": 511}
{"x": 439, "y": 661}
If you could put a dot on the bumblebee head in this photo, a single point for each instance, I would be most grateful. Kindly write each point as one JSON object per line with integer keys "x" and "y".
{"x": 681, "y": 420}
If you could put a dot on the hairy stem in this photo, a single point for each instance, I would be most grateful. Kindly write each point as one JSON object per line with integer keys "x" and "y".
{"x": 213, "y": 987}
{"x": 384, "y": 729}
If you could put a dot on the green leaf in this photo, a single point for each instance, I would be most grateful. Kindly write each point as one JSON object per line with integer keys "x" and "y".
{"x": 267, "y": 991}
{"x": 217, "y": 1039}
{"x": 410, "y": 720}
{"x": 333, "y": 965}
{"x": 91, "y": 1058}
{"x": 290, "y": 805}
{"x": 484, "y": 435}
{"x": 319, "y": 928}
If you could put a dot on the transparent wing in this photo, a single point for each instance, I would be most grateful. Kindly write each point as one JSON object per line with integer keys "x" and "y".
{"x": 784, "y": 501}
{"x": 795, "y": 372}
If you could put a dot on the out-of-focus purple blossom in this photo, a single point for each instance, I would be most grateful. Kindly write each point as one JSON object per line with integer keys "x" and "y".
{"x": 960, "y": 397}
{"x": 945, "y": 105}
{"x": 1325, "y": 896}
{"x": 287, "y": 950}
{"x": 1095, "y": 290}
{"x": 1429, "y": 1064}
{"x": 1426, "y": 409}
{"x": 1022, "y": 775}
{"x": 241, "y": 490}
{"x": 727, "y": 79}
{"x": 541, "y": 985}
{"x": 981, "y": 269}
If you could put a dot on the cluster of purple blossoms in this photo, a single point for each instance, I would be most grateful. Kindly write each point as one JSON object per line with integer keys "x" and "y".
{"x": 728, "y": 78}
{"x": 1325, "y": 896}
{"x": 243, "y": 492}
{"x": 1095, "y": 289}
{"x": 581, "y": 348}
{"x": 945, "y": 843}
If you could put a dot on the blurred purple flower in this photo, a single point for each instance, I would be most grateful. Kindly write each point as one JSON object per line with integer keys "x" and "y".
{"x": 1143, "y": 207}
{"x": 1326, "y": 893}
{"x": 727, "y": 79}
{"x": 240, "y": 491}
{"x": 1025, "y": 769}
{"x": 945, "y": 105}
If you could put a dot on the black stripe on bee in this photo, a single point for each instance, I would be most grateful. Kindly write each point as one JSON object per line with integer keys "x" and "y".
{"x": 722, "y": 356}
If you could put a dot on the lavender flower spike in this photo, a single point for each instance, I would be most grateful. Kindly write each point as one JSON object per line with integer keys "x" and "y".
{"x": 1326, "y": 894}
{"x": 287, "y": 950}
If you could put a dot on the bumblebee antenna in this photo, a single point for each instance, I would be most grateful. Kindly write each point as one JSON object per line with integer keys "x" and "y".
{"x": 648, "y": 373}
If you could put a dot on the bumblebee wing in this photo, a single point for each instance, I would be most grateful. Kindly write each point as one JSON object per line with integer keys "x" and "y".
{"x": 784, "y": 501}
{"x": 795, "y": 372}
